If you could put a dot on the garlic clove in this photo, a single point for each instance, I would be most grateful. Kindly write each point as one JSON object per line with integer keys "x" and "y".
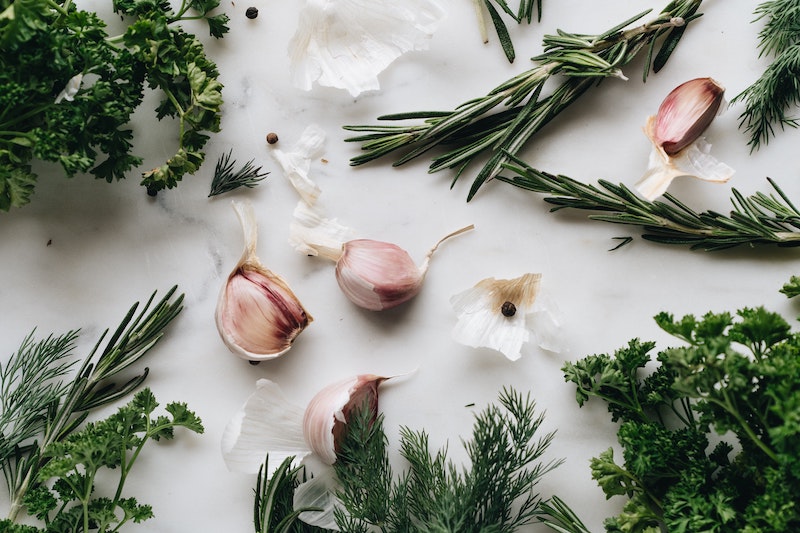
{"x": 267, "y": 423}
{"x": 675, "y": 133}
{"x": 685, "y": 114}
{"x": 378, "y": 275}
{"x": 326, "y": 416}
{"x": 258, "y": 316}
{"x": 346, "y": 44}
{"x": 502, "y": 314}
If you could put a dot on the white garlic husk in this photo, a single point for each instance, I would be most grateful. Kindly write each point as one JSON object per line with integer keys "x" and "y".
{"x": 345, "y": 44}
{"x": 70, "y": 89}
{"x": 258, "y": 316}
{"x": 503, "y": 314}
{"x": 269, "y": 423}
{"x": 678, "y": 148}
{"x": 374, "y": 275}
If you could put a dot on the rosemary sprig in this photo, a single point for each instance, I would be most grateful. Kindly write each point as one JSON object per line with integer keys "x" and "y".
{"x": 754, "y": 220}
{"x": 475, "y": 128}
{"x": 93, "y": 386}
{"x": 524, "y": 13}
{"x": 769, "y": 98}
{"x": 273, "y": 510}
{"x": 227, "y": 179}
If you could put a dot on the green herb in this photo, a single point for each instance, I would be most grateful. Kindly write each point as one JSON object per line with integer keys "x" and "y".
{"x": 524, "y": 13}
{"x": 70, "y": 504}
{"x": 710, "y": 438}
{"x": 46, "y": 46}
{"x": 474, "y": 129}
{"x": 273, "y": 511}
{"x": 493, "y": 492}
{"x": 227, "y": 179}
{"x": 755, "y": 220}
{"x": 769, "y": 98}
{"x": 44, "y": 410}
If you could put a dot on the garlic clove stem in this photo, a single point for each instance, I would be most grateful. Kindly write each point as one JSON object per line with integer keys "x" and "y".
{"x": 258, "y": 316}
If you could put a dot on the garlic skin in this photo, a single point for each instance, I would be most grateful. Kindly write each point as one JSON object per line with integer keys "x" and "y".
{"x": 70, "y": 89}
{"x": 327, "y": 414}
{"x": 675, "y": 133}
{"x": 258, "y": 316}
{"x": 345, "y": 44}
{"x": 269, "y": 423}
{"x": 503, "y": 314}
{"x": 296, "y": 162}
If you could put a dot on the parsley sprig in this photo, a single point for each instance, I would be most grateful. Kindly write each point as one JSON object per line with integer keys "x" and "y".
{"x": 770, "y": 99}
{"x": 47, "y": 403}
{"x": 501, "y": 123}
{"x": 46, "y": 45}
{"x": 711, "y": 438}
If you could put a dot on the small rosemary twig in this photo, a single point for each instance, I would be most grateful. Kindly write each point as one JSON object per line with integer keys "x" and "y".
{"x": 474, "y": 129}
{"x": 757, "y": 219}
{"x": 226, "y": 179}
{"x": 524, "y": 13}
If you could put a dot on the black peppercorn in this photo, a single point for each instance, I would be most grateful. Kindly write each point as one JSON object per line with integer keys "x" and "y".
{"x": 508, "y": 309}
{"x": 272, "y": 138}
{"x": 251, "y": 13}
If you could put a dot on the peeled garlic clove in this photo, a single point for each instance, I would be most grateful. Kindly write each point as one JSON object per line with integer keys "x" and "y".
{"x": 675, "y": 133}
{"x": 685, "y": 114}
{"x": 258, "y": 316}
{"x": 502, "y": 314}
{"x": 326, "y": 417}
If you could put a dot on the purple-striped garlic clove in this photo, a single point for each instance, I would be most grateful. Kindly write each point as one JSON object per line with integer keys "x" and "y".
{"x": 258, "y": 316}
{"x": 329, "y": 411}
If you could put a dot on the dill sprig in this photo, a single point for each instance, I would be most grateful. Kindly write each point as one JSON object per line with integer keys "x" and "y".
{"x": 227, "y": 179}
{"x": 475, "y": 128}
{"x": 524, "y": 13}
{"x": 777, "y": 90}
{"x": 754, "y": 220}
{"x": 493, "y": 491}
{"x": 49, "y": 417}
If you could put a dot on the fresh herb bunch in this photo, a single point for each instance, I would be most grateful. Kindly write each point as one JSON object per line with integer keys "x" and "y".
{"x": 495, "y": 492}
{"x": 65, "y": 498}
{"x": 474, "y": 128}
{"x": 711, "y": 438}
{"x": 769, "y": 99}
{"x": 524, "y": 13}
{"x": 47, "y": 46}
{"x": 758, "y": 219}
{"x": 227, "y": 179}
{"x": 43, "y": 402}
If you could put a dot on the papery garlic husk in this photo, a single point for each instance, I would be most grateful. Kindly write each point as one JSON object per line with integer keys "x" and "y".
{"x": 268, "y": 423}
{"x": 502, "y": 314}
{"x": 327, "y": 414}
{"x": 296, "y": 163}
{"x": 675, "y": 133}
{"x": 346, "y": 43}
{"x": 258, "y": 316}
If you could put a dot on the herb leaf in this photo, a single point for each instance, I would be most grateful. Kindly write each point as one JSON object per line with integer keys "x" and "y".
{"x": 227, "y": 179}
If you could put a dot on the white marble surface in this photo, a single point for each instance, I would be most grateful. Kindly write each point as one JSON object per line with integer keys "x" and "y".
{"x": 84, "y": 250}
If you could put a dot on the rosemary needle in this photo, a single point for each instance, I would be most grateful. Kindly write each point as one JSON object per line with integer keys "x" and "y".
{"x": 476, "y": 128}
{"x": 227, "y": 179}
{"x": 754, "y": 220}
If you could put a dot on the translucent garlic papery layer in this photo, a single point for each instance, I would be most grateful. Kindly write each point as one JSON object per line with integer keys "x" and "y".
{"x": 296, "y": 162}
{"x": 346, "y": 43}
{"x": 258, "y": 316}
{"x": 501, "y": 314}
